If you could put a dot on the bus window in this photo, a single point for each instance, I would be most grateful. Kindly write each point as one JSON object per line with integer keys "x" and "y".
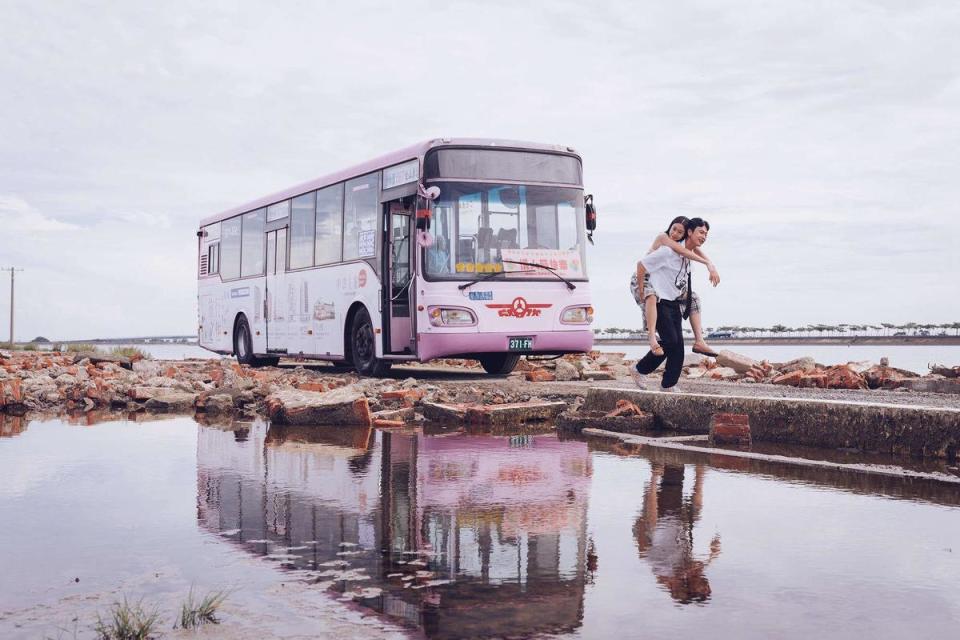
{"x": 492, "y": 218}
{"x": 361, "y": 202}
{"x": 302, "y": 230}
{"x": 251, "y": 262}
{"x": 329, "y": 224}
{"x": 438, "y": 253}
{"x": 230, "y": 248}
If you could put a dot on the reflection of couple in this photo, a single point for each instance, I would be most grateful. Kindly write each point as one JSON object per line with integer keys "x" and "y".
{"x": 664, "y": 533}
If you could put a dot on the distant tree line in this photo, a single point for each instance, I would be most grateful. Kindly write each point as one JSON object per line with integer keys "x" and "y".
{"x": 817, "y": 330}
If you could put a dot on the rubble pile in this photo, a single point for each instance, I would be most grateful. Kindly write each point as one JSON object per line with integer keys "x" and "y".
{"x": 805, "y": 372}
{"x": 37, "y": 382}
{"x": 592, "y": 366}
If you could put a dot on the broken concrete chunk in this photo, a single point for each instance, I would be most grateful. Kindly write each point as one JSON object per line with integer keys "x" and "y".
{"x": 730, "y": 428}
{"x": 444, "y": 413}
{"x": 596, "y": 374}
{"x": 566, "y": 371}
{"x": 343, "y": 406}
{"x": 738, "y": 362}
{"x": 172, "y": 401}
{"x": 219, "y": 403}
{"x": 514, "y": 413}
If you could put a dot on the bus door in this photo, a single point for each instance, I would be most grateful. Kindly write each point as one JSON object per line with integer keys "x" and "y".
{"x": 273, "y": 302}
{"x": 398, "y": 291}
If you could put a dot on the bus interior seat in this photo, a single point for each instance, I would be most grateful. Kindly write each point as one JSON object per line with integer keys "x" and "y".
{"x": 485, "y": 237}
{"x": 507, "y": 238}
{"x": 465, "y": 250}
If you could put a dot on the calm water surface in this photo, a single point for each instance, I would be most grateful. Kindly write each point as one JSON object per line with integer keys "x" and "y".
{"x": 458, "y": 535}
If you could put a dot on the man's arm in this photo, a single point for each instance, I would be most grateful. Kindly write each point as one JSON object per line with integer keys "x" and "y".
{"x": 641, "y": 272}
{"x": 666, "y": 241}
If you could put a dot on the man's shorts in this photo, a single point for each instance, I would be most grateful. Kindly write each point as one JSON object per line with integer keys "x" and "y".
{"x": 648, "y": 291}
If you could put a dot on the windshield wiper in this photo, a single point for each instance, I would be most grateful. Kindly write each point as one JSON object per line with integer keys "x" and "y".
{"x": 483, "y": 279}
{"x": 569, "y": 284}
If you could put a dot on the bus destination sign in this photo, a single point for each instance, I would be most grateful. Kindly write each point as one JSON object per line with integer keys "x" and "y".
{"x": 401, "y": 174}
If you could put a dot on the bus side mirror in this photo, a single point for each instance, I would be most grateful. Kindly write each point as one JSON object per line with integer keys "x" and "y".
{"x": 428, "y": 195}
{"x": 591, "y": 213}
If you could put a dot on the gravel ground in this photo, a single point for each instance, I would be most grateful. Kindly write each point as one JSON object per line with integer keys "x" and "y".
{"x": 515, "y": 383}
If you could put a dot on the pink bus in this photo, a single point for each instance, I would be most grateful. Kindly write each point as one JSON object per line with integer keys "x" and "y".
{"x": 468, "y": 248}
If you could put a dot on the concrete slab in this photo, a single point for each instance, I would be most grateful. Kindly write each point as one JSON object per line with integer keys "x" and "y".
{"x": 869, "y": 426}
{"x": 714, "y": 453}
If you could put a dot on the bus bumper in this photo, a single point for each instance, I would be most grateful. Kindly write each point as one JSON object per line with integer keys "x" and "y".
{"x": 466, "y": 345}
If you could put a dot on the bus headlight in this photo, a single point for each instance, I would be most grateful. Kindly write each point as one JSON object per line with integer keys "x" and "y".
{"x": 577, "y": 315}
{"x": 451, "y": 317}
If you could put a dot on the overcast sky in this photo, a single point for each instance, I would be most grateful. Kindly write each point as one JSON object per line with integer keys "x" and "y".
{"x": 820, "y": 139}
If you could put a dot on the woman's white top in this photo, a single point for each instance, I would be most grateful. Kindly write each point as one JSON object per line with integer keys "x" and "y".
{"x": 668, "y": 272}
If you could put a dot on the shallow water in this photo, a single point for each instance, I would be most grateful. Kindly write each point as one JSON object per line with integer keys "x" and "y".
{"x": 519, "y": 535}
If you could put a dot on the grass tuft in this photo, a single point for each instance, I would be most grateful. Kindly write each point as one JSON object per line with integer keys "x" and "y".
{"x": 195, "y": 613}
{"x": 130, "y": 352}
{"x": 81, "y": 348}
{"x": 127, "y": 622}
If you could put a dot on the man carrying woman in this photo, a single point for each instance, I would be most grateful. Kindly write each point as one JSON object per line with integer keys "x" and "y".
{"x": 668, "y": 274}
{"x": 675, "y": 234}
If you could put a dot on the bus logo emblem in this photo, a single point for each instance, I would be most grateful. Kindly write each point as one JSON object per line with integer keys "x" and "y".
{"x": 519, "y": 308}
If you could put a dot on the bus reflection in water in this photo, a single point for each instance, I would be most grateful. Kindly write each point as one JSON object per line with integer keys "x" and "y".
{"x": 499, "y": 521}
{"x": 448, "y": 248}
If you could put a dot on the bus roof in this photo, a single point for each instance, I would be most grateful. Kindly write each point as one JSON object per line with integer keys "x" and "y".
{"x": 386, "y": 160}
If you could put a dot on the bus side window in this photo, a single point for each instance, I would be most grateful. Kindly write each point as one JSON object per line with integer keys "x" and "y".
{"x": 329, "y": 233}
{"x": 230, "y": 255}
{"x": 361, "y": 203}
{"x": 213, "y": 259}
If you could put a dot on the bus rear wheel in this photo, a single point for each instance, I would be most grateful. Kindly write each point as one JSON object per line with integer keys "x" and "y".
{"x": 499, "y": 363}
{"x": 363, "y": 347}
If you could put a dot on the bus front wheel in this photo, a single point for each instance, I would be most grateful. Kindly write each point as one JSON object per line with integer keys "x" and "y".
{"x": 499, "y": 363}
{"x": 243, "y": 347}
{"x": 363, "y": 347}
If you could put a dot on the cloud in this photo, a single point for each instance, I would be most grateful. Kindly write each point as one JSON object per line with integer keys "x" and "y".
{"x": 820, "y": 139}
{"x": 17, "y": 216}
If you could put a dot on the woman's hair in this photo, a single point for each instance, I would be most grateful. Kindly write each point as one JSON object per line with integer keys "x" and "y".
{"x": 681, "y": 220}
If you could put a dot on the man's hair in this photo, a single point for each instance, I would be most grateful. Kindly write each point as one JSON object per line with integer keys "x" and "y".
{"x": 693, "y": 223}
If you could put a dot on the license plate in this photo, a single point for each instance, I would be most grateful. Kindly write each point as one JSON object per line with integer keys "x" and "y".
{"x": 523, "y": 343}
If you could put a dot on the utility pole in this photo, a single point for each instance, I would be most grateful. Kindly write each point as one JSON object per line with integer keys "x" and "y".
{"x": 13, "y": 272}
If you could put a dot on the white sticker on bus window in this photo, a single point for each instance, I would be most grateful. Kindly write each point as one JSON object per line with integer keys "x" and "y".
{"x": 366, "y": 244}
{"x": 401, "y": 174}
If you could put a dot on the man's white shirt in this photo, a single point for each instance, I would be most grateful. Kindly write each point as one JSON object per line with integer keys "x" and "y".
{"x": 667, "y": 269}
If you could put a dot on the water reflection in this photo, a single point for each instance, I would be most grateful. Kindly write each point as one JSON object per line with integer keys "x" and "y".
{"x": 458, "y": 535}
{"x": 664, "y": 533}
{"x": 11, "y": 425}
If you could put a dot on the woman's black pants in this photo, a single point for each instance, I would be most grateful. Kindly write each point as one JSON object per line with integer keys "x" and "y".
{"x": 670, "y": 330}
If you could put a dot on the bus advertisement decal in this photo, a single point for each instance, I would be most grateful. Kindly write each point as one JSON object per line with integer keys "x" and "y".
{"x": 240, "y": 292}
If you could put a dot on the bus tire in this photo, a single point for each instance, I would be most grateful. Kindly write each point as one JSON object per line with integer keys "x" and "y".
{"x": 243, "y": 342}
{"x": 363, "y": 346}
{"x": 499, "y": 363}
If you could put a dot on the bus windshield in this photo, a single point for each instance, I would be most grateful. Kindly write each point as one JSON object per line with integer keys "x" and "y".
{"x": 482, "y": 228}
